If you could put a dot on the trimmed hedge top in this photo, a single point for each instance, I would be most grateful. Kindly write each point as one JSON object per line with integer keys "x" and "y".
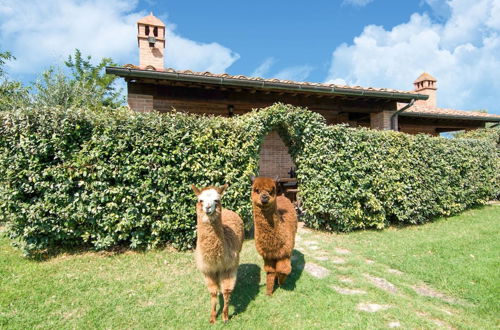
{"x": 73, "y": 177}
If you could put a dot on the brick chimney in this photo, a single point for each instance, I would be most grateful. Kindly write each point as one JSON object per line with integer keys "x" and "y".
{"x": 426, "y": 84}
{"x": 151, "y": 42}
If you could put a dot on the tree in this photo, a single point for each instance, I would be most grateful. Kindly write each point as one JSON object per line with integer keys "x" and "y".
{"x": 5, "y": 56}
{"x": 94, "y": 77}
{"x": 12, "y": 93}
{"x": 86, "y": 86}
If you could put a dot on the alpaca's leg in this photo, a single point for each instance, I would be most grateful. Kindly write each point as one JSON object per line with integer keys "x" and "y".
{"x": 283, "y": 269}
{"x": 212, "y": 282}
{"x": 228, "y": 281}
{"x": 270, "y": 269}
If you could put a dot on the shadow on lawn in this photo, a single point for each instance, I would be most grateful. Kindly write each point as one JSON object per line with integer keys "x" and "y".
{"x": 51, "y": 253}
{"x": 247, "y": 287}
{"x": 298, "y": 263}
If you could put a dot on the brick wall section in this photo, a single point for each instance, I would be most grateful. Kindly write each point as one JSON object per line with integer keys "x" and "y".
{"x": 381, "y": 120}
{"x": 417, "y": 129}
{"x": 140, "y": 103}
{"x": 140, "y": 98}
{"x": 274, "y": 157}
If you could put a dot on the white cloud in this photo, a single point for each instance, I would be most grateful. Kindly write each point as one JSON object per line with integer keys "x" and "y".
{"x": 185, "y": 54}
{"x": 263, "y": 69}
{"x": 357, "y": 3}
{"x": 43, "y": 33}
{"x": 463, "y": 53}
{"x": 295, "y": 73}
{"x": 439, "y": 7}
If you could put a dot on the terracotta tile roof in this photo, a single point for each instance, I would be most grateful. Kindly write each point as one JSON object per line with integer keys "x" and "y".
{"x": 423, "y": 77}
{"x": 426, "y": 111}
{"x": 274, "y": 80}
{"x": 151, "y": 20}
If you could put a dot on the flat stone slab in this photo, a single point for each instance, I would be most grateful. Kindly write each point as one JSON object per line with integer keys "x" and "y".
{"x": 371, "y": 308}
{"x": 382, "y": 283}
{"x": 342, "y": 251}
{"x": 338, "y": 261}
{"x": 369, "y": 262}
{"x": 347, "y": 291}
{"x": 316, "y": 270}
{"x": 394, "y": 324}
{"x": 446, "y": 311}
{"x": 394, "y": 271}
{"x": 345, "y": 279}
{"x": 321, "y": 258}
{"x": 437, "y": 322}
{"x": 427, "y": 291}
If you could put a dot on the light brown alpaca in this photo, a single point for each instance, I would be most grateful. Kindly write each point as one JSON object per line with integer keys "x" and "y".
{"x": 218, "y": 246}
{"x": 275, "y": 223}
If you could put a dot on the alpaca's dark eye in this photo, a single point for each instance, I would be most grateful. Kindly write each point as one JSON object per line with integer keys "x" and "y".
{"x": 201, "y": 200}
{"x": 256, "y": 190}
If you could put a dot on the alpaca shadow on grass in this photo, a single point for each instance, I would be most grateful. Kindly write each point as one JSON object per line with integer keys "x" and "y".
{"x": 246, "y": 288}
{"x": 298, "y": 264}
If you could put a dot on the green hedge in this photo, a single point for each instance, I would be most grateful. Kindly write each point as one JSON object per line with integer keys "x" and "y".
{"x": 73, "y": 177}
{"x": 492, "y": 134}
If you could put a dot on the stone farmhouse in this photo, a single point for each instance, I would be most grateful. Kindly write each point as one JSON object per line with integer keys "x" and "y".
{"x": 151, "y": 86}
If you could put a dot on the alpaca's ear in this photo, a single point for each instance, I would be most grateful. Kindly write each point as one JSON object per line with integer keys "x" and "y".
{"x": 252, "y": 177}
{"x": 196, "y": 190}
{"x": 221, "y": 189}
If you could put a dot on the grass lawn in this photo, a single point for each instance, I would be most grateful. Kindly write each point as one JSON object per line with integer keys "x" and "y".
{"x": 442, "y": 274}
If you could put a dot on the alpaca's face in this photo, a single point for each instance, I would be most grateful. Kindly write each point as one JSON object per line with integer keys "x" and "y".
{"x": 209, "y": 201}
{"x": 263, "y": 192}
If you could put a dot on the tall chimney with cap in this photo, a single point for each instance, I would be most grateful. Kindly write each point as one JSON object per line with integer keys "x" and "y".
{"x": 151, "y": 42}
{"x": 426, "y": 84}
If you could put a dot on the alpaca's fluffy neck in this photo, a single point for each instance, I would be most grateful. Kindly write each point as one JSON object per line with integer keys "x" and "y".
{"x": 269, "y": 214}
{"x": 210, "y": 233}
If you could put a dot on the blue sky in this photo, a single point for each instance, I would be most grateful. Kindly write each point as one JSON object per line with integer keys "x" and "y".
{"x": 379, "y": 43}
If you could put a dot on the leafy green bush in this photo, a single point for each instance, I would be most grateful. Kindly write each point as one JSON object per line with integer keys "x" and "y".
{"x": 72, "y": 177}
{"x": 492, "y": 134}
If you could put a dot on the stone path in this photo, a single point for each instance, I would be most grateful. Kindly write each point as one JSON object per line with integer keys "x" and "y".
{"x": 394, "y": 271}
{"x": 438, "y": 322}
{"x": 338, "y": 261}
{"x": 426, "y": 291}
{"x": 347, "y": 291}
{"x": 371, "y": 308}
{"x": 381, "y": 283}
{"x": 342, "y": 251}
{"x": 394, "y": 324}
{"x": 345, "y": 279}
{"x": 316, "y": 270}
{"x": 340, "y": 258}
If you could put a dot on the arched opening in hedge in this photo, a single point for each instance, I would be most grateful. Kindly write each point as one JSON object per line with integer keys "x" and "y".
{"x": 274, "y": 157}
{"x": 282, "y": 133}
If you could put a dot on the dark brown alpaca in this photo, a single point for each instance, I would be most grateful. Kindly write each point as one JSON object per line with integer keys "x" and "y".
{"x": 275, "y": 222}
{"x": 218, "y": 245}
